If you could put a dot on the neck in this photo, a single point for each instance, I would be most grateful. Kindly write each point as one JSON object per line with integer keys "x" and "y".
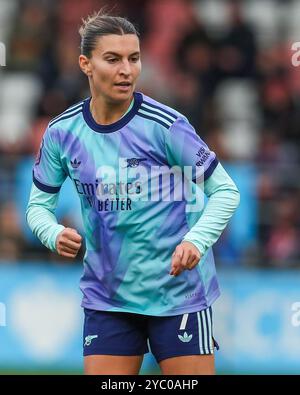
{"x": 106, "y": 113}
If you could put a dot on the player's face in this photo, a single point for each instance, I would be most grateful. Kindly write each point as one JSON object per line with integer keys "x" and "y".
{"x": 115, "y": 66}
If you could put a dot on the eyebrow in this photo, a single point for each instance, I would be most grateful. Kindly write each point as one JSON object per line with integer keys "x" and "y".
{"x": 117, "y": 54}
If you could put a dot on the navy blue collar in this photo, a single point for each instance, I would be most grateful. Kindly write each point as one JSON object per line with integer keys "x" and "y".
{"x": 113, "y": 127}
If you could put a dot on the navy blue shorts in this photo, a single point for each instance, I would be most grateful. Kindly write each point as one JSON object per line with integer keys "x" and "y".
{"x": 114, "y": 333}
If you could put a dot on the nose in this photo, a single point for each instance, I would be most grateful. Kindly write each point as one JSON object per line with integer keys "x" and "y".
{"x": 125, "y": 68}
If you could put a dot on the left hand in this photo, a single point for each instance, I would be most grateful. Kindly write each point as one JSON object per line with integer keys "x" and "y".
{"x": 185, "y": 257}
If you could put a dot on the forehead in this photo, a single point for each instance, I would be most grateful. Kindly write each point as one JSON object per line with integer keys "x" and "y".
{"x": 127, "y": 43}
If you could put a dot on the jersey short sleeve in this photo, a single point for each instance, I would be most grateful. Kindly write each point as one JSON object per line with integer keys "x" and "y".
{"x": 185, "y": 148}
{"x": 48, "y": 173}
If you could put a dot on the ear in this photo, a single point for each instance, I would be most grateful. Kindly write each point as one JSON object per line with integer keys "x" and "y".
{"x": 85, "y": 65}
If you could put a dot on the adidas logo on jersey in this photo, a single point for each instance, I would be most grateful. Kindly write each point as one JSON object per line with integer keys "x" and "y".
{"x": 185, "y": 338}
{"x": 75, "y": 164}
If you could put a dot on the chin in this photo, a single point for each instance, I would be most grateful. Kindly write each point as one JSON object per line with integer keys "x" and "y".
{"x": 121, "y": 97}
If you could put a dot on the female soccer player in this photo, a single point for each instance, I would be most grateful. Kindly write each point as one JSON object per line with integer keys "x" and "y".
{"x": 139, "y": 169}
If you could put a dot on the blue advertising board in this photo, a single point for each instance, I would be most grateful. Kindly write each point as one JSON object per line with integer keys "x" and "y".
{"x": 256, "y": 320}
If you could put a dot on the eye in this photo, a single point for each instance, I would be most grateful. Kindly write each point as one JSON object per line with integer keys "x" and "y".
{"x": 112, "y": 60}
{"x": 135, "y": 59}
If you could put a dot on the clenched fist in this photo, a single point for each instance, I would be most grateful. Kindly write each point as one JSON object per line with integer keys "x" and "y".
{"x": 68, "y": 243}
{"x": 185, "y": 257}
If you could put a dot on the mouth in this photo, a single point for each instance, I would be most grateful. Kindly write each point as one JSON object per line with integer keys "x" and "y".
{"x": 123, "y": 83}
{"x": 124, "y": 86}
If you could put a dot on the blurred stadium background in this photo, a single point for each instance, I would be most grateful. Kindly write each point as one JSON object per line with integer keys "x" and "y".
{"x": 227, "y": 66}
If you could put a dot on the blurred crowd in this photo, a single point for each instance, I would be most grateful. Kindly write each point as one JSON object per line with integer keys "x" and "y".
{"x": 225, "y": 64}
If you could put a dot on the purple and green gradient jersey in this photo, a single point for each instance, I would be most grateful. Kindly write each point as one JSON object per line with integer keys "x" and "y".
{"x": 130, "y": 239}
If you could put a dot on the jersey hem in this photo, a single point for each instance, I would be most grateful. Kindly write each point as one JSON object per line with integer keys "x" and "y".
{"x": 172, "y": 312}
